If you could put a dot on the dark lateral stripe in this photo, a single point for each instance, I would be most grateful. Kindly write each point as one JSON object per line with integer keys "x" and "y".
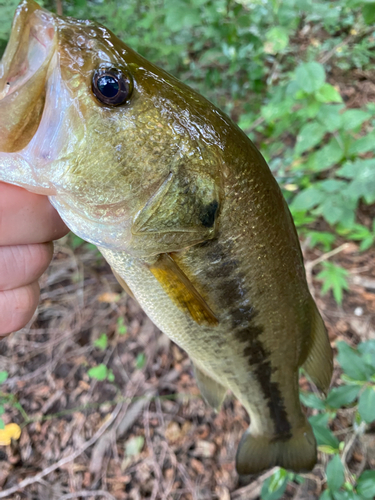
{"x": 234, "y": 296}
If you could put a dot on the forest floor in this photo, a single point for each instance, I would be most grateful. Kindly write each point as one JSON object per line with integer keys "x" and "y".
{"x": 146, "y": 434}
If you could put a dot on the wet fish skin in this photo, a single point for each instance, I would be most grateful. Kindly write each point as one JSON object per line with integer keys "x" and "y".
{"x": 186, "y": 211}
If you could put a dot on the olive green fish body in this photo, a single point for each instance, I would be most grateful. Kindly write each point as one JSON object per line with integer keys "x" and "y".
{"x": 252, "y": 278}
{"x": 182, "y": 206}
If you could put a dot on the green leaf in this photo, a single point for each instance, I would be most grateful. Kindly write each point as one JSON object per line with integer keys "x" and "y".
{"x": 121, "y": 328}
{"x": 337, "y": 209}
{"x": 334, "y": 278}
{"x": 276, "y": 110}
{"x": 330, "y": 116}
{"x": 277, "y": 39}
{"x": 342, "y": 396}
{"x": 345, "y": 495}
{"x": 321, "y": 238}
{"x": 310, "y": 76}
{"x": 308, "y": 198}
{"x": 309, "y": 136}
{"x": 278, "y": 479}
{"x": 368, "y": 13}
{"x": 99, "y": 372}
{"x": 3, "y": 376}
{"x": 326, "y": 157}
{"x": 274, "y": 487}
{"x": 134, "y": 445}
{"x": 351, "y": 362}
{"x": 333, "y": 185}
{"x": 335, "y": 473}
{"x": 324, "y": 437}
{"x": 353, "y": 118}
{"x": 311, "y": 400}
{"x": 320, "y": 420}
{"x": 326, "y": 495}
{"x": 366, "y": 485}
{"x": 328, "y": 93}
{"x": 140, "y": 360}
{"x": 354, "y": 169}
{"x": 363, "y": 185}
{"x": 366, "y": 406}
{"x": 181, "y": 15}
{"x": 2, "y": 424}
{"x": 363, "y": 145}
{"x": 2, "y": 410}
{"x": 367, "y": 351}
{"x": 101, "y": 342}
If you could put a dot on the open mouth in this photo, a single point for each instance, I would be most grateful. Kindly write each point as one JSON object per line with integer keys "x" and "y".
{"x": 23, "y": 74}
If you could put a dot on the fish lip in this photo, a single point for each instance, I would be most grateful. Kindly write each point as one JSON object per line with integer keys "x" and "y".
{"x": 29, "y": 47}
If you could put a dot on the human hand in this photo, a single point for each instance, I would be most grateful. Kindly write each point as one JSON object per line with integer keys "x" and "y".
{"x": 28, "y": 224}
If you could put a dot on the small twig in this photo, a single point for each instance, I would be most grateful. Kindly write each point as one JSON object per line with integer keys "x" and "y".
{"x": 349, "y": 445}
{"x": 252, "y": 490}
{"x": 326, "y": 256}
{"x": 333, "y": 51}
{"x": 59, "y": 7}
{"x": 344, "y": 42}
{"x": 365, "y": 282}
{"x": 32, "y": 480}
{"x": 256, "y": 124}
{"x": 86, "y": 493}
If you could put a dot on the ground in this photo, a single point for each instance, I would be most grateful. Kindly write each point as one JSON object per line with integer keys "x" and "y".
{"x": 145, "y": 433}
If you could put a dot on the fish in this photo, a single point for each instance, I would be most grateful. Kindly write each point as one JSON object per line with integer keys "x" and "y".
{"x": 183, "y": 207}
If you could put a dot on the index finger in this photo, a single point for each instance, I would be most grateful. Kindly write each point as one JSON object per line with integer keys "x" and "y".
{"x": 27, "y": 218}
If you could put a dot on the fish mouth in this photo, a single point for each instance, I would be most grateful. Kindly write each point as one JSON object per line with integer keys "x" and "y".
{"x": 23, "y": 75}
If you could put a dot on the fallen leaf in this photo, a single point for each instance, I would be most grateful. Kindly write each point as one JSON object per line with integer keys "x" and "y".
{"x": 109, "y": 297}
{"x": 10, "y": 431}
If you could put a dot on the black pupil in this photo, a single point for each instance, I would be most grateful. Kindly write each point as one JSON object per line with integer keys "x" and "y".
{"x": 108, "y": 86}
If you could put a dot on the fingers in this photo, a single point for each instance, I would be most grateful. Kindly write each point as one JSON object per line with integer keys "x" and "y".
{"x": 23, "y": 264}
{"x": 27, "y": 222}
{"x": 27, "y": 218}
{"x": 17, "y": 307}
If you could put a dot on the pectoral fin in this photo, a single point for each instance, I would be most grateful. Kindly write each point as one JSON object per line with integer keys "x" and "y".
{"x": 319, "y": 362}
{"x": 213, "y": 392}
{"x": 123, "y": 283}
{"x": 181, "y": 291}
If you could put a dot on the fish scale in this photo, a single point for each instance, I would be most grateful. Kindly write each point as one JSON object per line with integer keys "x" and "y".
{"x": 183, "y": 207}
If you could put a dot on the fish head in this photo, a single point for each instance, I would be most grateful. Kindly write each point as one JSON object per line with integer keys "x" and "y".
{"x": 112, "y": 139}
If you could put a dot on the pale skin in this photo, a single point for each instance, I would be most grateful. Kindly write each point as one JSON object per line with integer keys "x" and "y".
{"x": 28, "y": 225}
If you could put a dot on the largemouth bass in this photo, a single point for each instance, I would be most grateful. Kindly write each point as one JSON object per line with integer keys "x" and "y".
{"x": 183, "y": 207}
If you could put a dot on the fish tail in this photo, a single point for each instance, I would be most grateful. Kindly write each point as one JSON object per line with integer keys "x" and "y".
{"x": 258, "y": 453}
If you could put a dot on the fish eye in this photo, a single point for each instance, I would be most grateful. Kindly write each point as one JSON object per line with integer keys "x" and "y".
{"x": 112, "y": 86}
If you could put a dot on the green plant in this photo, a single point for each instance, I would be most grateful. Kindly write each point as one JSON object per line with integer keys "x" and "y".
{"x": 274, "y": 487}
{"x": 334, "y": 278}
{"x": 101, "y": 372}
{"x": 121, "y": 328}
{"x": 101, "y": 342}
